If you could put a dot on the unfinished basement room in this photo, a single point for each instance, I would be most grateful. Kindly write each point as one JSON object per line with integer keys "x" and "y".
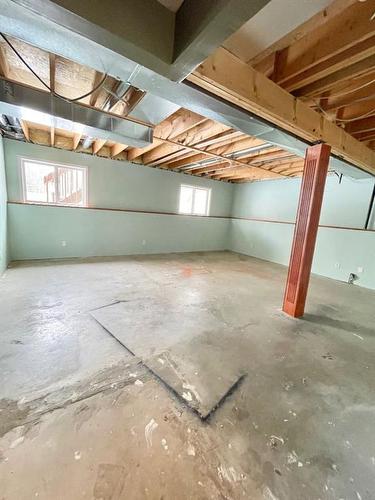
{"x": 187, "y": 249}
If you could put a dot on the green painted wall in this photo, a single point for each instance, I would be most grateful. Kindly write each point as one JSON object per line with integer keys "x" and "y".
{"x": 3, "y": 213}
{"x": 38, "y": 232}
{"x": 338, "y": 251}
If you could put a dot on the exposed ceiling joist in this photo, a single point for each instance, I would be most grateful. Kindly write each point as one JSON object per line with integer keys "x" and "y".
{"x": 25, "y": 130}
{"x": 57, "y": 32}
{"x": 97, "y": 145}
{"x": 320, "y": 19}
{"x": 356, "y": 70}
{"x": 4, "y": 67}
{"x": 180, "y": 122}
{"x": 116, "y": 149}
{"x": 329, "y": 40}
{"x": 194, "y": 137}
{"x": 253, "y": 170}
{"x": 76, "y": 139}
{"x": 226, "y": 76}
{"x": 363, "y": 125}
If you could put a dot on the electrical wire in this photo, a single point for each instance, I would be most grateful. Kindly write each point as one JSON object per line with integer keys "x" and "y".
{"x": 365, "y": 115}
{"x": 367, "y": 98}
{"x": 347, "y": 120}
{"x": 340, "y": 94}
{"x": 97, "y": 87}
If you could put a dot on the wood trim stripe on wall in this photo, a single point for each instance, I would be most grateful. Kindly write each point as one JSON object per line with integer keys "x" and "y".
{"x": 130, "y": 210}
{"x": 150, "y": 212}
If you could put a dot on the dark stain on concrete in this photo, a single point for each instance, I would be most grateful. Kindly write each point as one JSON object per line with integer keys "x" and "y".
{"x": 109, "y": 482}
{"x": 11, "y": 415}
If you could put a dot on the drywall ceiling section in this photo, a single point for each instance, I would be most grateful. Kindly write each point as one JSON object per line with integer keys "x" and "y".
{"x": 173, "y": 43}
{"x": 274, "y": 21}
{"x": 172, "y": 5}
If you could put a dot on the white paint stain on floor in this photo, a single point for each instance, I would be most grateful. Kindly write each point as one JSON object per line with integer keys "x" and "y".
{"x": 192, "y": 389}
{"x": 187, "y": 396}
{"x": 149, "y": 429}
{"x": 191, "y": 450}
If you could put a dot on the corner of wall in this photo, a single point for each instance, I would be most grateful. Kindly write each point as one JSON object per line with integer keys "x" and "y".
{"x": 4, "y": 248}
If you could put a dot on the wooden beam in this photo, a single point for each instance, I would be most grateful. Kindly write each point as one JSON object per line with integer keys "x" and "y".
{"x": 207, "y": 145}
{"x": 365, "y": 136}
{"x": 320, "y": 19}
{"x": 279, "y": 167}
{"x": 211, "y": 168}
{"x": 52, "y": 77}
{"x": 25, "y": 130}
{"x": 306, "y": 229}
{"x": 52, "y": 135}
{"x": 291, "y": 170}
{"x": 226, "y": 76}
{"x": 360, "y": 126}
{"x": 178, "y": 123}
{"x": 265, "y": 160}
{"x": 117, "y": 149}
{"x": 194, "y": 137}
{"x": 364, "y": 67}
{"x": 76, "y": 138}
{"x": 4, "y": 67}
{"x": 357, "y": 111}
{"x": 331, "y": 65}
{"x": 250, "y": 172}
{"x": 52, "y": 71}
{"x": 344, "y": 31}
{"x": 268, "y": 154}
{"x": 225, "y": 150}
{"x": 208, "y": 154}
{"x": 349, "y": 95}
{"x": 97, "y": 145}
{"x": 135, "y": 153}
{"x": 291, "y": 164}
{"x": 219, "y": 140}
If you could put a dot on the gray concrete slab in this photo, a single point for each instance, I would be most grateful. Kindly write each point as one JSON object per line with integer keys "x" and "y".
{"x": 185, "y": 347}
{"x": 80, "y": 418}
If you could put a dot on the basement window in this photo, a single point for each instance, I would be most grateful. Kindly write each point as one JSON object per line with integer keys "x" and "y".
{"x": 194, "y": 200}
{"x": 53, "y": 184}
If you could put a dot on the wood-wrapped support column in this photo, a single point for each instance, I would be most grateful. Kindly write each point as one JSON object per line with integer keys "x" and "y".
{"x": 306, "y": 228}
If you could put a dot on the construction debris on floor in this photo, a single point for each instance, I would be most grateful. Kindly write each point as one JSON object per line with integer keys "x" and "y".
{"x": 298, "y": 427}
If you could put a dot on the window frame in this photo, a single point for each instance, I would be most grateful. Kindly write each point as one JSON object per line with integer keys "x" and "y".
{"x": 22, "y": 168}
{"x": 194, "y": 188}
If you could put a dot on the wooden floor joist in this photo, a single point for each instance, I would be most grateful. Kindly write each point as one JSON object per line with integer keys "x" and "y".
{"x": 226, "y": 76}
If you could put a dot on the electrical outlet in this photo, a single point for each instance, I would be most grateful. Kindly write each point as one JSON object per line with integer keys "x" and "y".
{"x": 63, "y": 243}
{"x": 143, "y": 242}
{"x": 337, "y": 265}
{"x": 359, "y": 269}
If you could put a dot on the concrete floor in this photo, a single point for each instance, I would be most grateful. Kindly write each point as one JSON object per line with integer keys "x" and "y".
{"x": 81, "y": 418}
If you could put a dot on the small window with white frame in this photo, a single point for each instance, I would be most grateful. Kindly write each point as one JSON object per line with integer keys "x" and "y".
{"x": 194, "y": 200}
{"x": 53, "y": 184}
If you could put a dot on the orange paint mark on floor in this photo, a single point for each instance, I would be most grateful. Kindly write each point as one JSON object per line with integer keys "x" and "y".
{"x": 187, "y": 272}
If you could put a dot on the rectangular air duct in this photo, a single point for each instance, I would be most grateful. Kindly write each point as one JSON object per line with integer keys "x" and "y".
{"x": 37, "y": 106}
